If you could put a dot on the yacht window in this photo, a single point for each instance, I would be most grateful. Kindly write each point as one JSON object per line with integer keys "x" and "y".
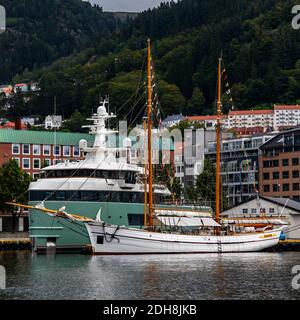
{"x": 60, "y": 195}
{"x": 89, "y": 196}
{"x": 116, "y": 197}
{"x": 125, "y": 197}
{"x": 103, "y": 196}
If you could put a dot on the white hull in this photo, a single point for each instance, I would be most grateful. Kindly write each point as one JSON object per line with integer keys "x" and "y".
{"x": 109, "y": 240}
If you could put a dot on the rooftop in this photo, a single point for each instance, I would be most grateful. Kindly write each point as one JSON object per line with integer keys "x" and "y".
{"x": 42, "y": 137}
{"x": 287, "y": 202}
{"x": 249, "y": 112}
{"x": 287, "y": 107}
{"x": 204, "y": 118}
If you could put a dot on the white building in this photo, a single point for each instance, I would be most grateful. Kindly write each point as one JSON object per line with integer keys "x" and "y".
{"x": 210, "y": 121}
{"x": 286, "y": 116}
{"x": 270, "y": 207}
{"x": 280, "y": 116}
{"x": 171, "y": 121}
{"x": 250, "y": 118}
{"x": 53, "y": 122}
{"x": 30, "y": 121}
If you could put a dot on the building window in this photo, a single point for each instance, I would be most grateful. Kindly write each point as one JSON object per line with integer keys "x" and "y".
{"x": 266, "y": 188}
{"x": 276, "y": 187}
{"x": 253, "y": 210}
{"x": 36, "y": 149}
{"x": 245, "y": 210}
{"x": 295, "y": 161}
{"x": 26, "y": 163}
{"x": 285, "y": 187}
{"x": 275, "y": 175}
{"x": 46, "y": 163}
{"x": 271, "y": 210}
{"x": 15, "y": 149}
{"x": 285, "y": 162}
{"x": 26, "y": 149}
{"x": 285, "y": 175}
{"x": 266, "y": 164}
{"x": 76, "y": 151}
{"x": 18, "y": 161}
{"x": 56, "y": 150}
{"x": 296, "y": 186}
{"x": 295, "y": 174}
{"x": 275, "y": 163}
{"x": 46, "y": 150}
{"x": 66, "y": 151}
{"x": 36, "y": 163}
{"x": 266, "y": 176}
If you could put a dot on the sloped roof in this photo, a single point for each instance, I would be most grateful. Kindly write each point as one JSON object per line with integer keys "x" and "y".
{"x": 249, "y": 112}
{"x": 42, "y": 137}
{"x": 287, "y": 202}
{"x": 287, "y": 107}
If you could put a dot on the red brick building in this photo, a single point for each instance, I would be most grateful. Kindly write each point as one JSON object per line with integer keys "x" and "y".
{"x": 36, "y": 149}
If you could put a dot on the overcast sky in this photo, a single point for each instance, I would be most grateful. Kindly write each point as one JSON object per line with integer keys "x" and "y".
{"x": 127, "y": 5}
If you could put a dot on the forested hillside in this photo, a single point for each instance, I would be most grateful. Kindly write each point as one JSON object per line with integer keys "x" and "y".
{"x": 258, "y": 44}
{"x": 41, "y": 31}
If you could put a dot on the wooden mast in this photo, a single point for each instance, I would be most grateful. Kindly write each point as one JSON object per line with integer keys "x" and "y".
{"x": 145, "y": 174}
{"x": 218, "y": 148}
{"x": 149, "y": 114}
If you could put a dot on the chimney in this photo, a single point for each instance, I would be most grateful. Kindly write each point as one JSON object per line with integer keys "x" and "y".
{"x": 18, "y": 124}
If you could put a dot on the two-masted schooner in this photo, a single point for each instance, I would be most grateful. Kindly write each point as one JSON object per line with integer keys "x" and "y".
{"x": 177, "y": 229}
{"x": 164, "y": 231}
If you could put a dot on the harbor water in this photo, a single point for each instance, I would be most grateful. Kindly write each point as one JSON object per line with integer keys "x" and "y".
{"x": 206, "y": 276}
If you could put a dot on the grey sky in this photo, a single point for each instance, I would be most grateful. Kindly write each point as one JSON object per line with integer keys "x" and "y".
{"x": 127, "y": 5}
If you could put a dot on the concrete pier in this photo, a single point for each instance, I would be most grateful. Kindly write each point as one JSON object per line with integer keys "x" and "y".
{"x": 14, "y": 241}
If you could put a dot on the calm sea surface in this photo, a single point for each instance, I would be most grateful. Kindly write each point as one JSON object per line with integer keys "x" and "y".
{"x": 229, "y": 276}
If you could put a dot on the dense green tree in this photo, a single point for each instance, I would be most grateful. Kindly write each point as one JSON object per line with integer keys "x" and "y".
{"x": 205, "y": 185}
{"x": 75, "y": 123}
{"x": 39, "y": 32}
{"x": 257, "y": 42}
{"x": 196, "y": 104}
{"x": 13, "y": 188}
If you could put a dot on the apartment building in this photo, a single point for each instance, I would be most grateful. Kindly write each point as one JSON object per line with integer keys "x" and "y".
{"x": 250, "y": 118}
{"x": 280, "y": 117}
{"x": 286, "y": 116}
{"x": 239, "y": 167}
{"x": 279, "y": 164}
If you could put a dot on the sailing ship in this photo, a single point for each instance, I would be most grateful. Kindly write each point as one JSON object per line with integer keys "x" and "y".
{"x": 164, "y": 232}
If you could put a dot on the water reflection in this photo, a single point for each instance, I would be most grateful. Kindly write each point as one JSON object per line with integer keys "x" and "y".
{"x": 232, "y": 276}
